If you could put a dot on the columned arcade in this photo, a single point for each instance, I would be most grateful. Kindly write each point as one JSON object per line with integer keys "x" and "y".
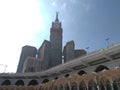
{"x": 102, "y": 80}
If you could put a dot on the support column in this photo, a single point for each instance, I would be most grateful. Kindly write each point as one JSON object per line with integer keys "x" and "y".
{"x": 87, "y": 87}
{"x": 112, "y": 87}
{"x": 98, "y": 87}
{"x": 118, "y": 87}
{"x": 63, "y": 88}
{"x": 77, "y": 87}
{"x": 69, "y": 85}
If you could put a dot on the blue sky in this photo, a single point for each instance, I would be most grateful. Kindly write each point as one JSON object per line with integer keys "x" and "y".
{"x": 28, "y": 22}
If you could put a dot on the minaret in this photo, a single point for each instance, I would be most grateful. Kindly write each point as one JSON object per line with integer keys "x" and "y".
{"x": 56, "y": 42}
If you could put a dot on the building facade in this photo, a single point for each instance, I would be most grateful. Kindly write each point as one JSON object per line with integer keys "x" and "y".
{"x": 26, "y": 52}
{"x": 43, "y": 69}
{"x": 56, "y": 43}
{"x": 50, "y": 52}
{"x": 99, "y": 70}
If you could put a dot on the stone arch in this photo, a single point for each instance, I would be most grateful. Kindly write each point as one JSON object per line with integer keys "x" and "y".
{"x": 67, "y": 75}
{"x": 66, "y": 87}
{"x": 19, "y": 83}
{"x": 45, "y": 80}
{"x": 81, "y": 72}
{"x": 105, "y": 84}
{"x": 6, "y": 82}
{"x": 54, "y": 87}
{"x": 116, "y": 84}
{"x": 56, "y": 78}
{"x": 100, "y": 68}
{"x": 40, "y": 88}
{"x": 82, "y": 86}
{"x": 50, "y": 88}
{"x": 60, "y": 87}
{"x": 74, "y": 86}
{"x": 33, "y": 82}
{"x": 92, "y": 85}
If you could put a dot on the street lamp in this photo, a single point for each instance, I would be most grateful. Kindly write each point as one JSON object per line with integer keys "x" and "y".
{"x": 107, "y": 40}
{"x": 5, "y": 68}
{"x": 87, "y": 48}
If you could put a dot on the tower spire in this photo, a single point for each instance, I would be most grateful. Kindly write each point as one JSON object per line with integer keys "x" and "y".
{"x": 56, "y": 17}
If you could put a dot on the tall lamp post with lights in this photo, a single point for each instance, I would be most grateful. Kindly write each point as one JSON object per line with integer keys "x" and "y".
{"x": 107, "y": 40}
{"x": 87, "y": 48}
{"x": 5, "y": 67}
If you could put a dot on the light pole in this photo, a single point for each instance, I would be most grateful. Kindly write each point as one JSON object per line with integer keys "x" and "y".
{"x": 87, "y": 48}
{"x": 5, "y": 68}
{"x": 107, "y": 40}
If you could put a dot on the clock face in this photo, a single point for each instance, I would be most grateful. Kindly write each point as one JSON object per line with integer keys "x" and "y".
{"x": 56, "y": 25}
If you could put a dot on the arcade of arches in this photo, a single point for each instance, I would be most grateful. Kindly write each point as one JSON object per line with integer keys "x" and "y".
{"x": 104, "y": 80}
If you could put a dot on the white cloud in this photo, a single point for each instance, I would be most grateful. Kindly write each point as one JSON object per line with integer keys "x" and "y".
{"x": 20, "y": 20}
{"x": 86, "y": 5}
{"x": 63, "y": 6}
{"x": 54, "y": 3}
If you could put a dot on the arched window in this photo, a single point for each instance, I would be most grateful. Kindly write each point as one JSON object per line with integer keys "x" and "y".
{"x": 92, "y": 85}
{"x": 45, "y": 80}
{"x": 33, "y": 82}
{"x": 81, "y": 72}
{"x": 19, "y": 83}
{"x": 82, "y": 86}
{"x": 74, "y": 86}
{"x": 100, "y": 68}
{"x": 56, "y": 78}
{"x": 67, "y": 75}
{"x": 6, "y": 82}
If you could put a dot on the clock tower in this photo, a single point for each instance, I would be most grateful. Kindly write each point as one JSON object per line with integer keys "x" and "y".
{"x": 56, "y": 43}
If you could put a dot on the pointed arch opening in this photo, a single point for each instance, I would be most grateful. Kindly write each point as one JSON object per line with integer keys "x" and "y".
{"x": 19, "y": 83}
{"x": 61, "y": 87}
{"x": 81, "y": 72}
{"x": 92, "y": 85}
{"x": 56, "y": 78}
{"x": 116, "y": 84}
{"x": 74, "y": 86}
{"x": 55, "y": 88}
{"x": 82, "y": 86}
{"x": 101, "y": 68}
{"x": 67, "y": 75}
{"x": 6, "y": 82}
{"x": 66, "y": 87}
{"x": 33, "y": 82}
{"x": 45, "y": 81}
{"x": 105, "y": 84}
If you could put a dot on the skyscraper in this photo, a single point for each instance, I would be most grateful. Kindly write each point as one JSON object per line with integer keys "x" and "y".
{"x": 56, "y": 43}
{"x": 26, "y": 51}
